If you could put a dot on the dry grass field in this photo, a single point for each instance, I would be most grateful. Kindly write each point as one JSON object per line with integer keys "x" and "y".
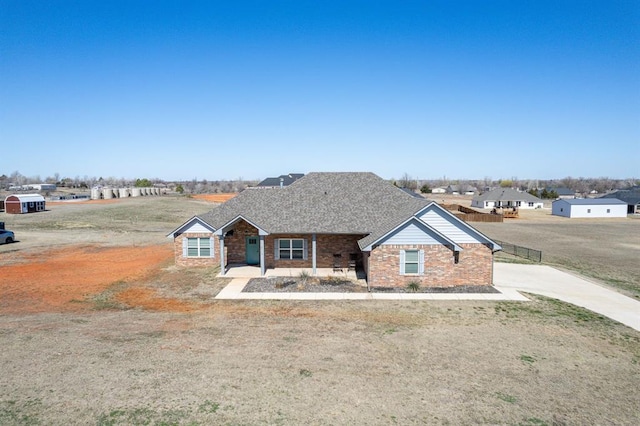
{"x": 103, "y": 329}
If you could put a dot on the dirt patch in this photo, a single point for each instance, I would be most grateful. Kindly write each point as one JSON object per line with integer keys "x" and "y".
{"x": 64, "y": 279}
{"x": 214, "y": 198}
{"x": 148, "y": 299}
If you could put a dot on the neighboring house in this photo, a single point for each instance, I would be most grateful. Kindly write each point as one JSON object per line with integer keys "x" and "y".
{"x": 280, "y": 181}
{"x": 563, "y": 193}
{"x": 24, "y": 203}
{"x": 461, "y": 190}
{"x": 630, "y": 196}
{"x": 589, "y": 207}
{"x": 324, "y": 219}
{"x": 506, "y": 198}
{"x": 438, "y": 190}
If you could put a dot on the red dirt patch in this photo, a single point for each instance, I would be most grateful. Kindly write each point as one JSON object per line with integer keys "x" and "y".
{"x": 57, "y": 280}
{"x": 214, "y": 198}
{"x": 147, "y": 298}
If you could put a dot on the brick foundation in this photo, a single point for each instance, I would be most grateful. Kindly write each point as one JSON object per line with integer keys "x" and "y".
{"x": 475, "y": 266}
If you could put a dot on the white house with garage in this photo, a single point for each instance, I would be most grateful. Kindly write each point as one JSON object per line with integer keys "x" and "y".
{"x": 589, "y": 208}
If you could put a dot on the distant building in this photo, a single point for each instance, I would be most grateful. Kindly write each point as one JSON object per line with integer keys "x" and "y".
{"x": 589, "y": 208}
{"x": 630, "y": 196}
{"x": 506, "y": 198}
{"x": 563, "y": 193}
{"x": 280, "y": 181}
{"x": 438, "y": 190}
{"x": 24, "y": 203}
{"x": 44, "y": 186}
{"x": 461, "y": 189}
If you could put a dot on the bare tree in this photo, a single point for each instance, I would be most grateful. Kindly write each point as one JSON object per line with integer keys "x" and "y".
{"x": 407, "y": 182}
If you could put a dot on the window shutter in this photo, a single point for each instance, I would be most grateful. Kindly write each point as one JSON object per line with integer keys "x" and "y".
{"x": 401, "y": 262}
{"x": 184, "y": 246}
{"x": 304, "y": 250}
{"x": 212, "y": 243}
{"x": 421, "y": 262}
{"x": 276, "y": 245}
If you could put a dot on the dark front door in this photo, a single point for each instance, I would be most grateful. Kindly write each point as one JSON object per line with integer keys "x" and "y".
{"x": 253, "y": 250}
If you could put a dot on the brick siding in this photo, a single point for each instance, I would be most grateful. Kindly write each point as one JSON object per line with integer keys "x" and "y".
{"x": 475, "y": 266}
{"x": 195, "y": 261}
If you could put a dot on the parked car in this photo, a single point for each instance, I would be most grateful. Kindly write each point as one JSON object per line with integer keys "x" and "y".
{"x": 6, "y": 236}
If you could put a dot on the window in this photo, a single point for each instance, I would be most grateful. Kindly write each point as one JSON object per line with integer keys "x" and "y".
{"x": 199, "y": 247}
{"x": 290, "y": 248}
{"x": 411, "y": 262}
{"x": 530, "y": 203}
{"x": 588, "y": 210}
{"x": 608, "y": 210}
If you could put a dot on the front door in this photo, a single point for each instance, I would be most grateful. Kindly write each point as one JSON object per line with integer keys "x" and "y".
{"x": 253, "y": 250}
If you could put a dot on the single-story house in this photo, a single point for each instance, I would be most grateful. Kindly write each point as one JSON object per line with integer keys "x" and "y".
{"x": 439, "y": 190}
{"x": 282, "y": 180}
{"x": 506, "y": 198}
{"x": 329, "y": 220}
{"x": 563, "y": 192}
{"x": 630, "y": 196}
{"x": 461, "y": 189}
{"x": 24, "y": 203}
{"x": 589, "y": 207}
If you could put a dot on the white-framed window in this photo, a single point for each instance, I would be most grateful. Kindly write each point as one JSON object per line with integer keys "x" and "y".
{"x": 608, "y": 210}
{"x": 197, "y": 247}
{"x": 530, "y": 203}
{"x": 411, "y": 262}
{"x": 291, "y": 248}
{"x": 588, "y": 210}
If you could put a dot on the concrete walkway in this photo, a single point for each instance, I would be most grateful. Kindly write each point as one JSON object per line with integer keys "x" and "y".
{"x": 550, "y": 282}
{"x": 233, "y": 290}
{"x": 509, "y": 279}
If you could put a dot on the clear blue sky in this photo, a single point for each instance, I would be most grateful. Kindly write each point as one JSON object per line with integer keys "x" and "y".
{"x": 220, "y": 90}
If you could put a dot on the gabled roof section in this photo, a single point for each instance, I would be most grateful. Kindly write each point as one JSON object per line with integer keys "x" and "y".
{"x": 229, "y": 225}
{"x": 427, "y": 228}
{"x": 629, "y": 196}
{"x": 464, "y": 225}
{"x": 506, "y": 194}
{"x": 284, "y": 180}
{"x": 331, "y": 203}
{"x": 385, "y": 229}
{"x": 195, "y": 219}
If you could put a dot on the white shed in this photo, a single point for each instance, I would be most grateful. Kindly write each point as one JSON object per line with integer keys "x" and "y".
{"x": 586, "y": 207}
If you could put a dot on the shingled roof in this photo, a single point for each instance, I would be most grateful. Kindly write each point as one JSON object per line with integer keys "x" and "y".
{"x": 507, "y": 194}
{"x": 326, "y": 203}
{"x": 282, "y": 180}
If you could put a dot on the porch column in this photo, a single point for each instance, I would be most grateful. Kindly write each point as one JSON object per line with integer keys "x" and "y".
{"x": 262, "y": 265}
{"x": 313, "y": 253}
{"x": 222, "y": 265}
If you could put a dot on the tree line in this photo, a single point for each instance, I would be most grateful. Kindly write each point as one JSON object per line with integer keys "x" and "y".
{"x": 579, "y": 185}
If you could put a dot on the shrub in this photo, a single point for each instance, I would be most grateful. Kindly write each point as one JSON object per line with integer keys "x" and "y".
{"x": 413, "y": 286}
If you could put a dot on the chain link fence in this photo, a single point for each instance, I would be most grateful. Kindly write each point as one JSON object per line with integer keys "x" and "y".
{"x": 524, "y": 252}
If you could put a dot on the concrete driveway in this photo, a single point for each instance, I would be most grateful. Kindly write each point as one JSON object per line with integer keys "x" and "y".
{"x": 550, "y": 282}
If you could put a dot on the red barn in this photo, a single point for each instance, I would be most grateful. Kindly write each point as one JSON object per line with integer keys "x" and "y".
{"x": 27, "y": 203}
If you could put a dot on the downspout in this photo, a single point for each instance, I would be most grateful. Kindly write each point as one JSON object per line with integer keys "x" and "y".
{"x": 313, "y": 253}
{"x": 223, "y": 266}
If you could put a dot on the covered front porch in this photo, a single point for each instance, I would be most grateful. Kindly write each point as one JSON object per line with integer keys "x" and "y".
{"x": 250, "y": 271}
{"x": 246, "y": 250}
